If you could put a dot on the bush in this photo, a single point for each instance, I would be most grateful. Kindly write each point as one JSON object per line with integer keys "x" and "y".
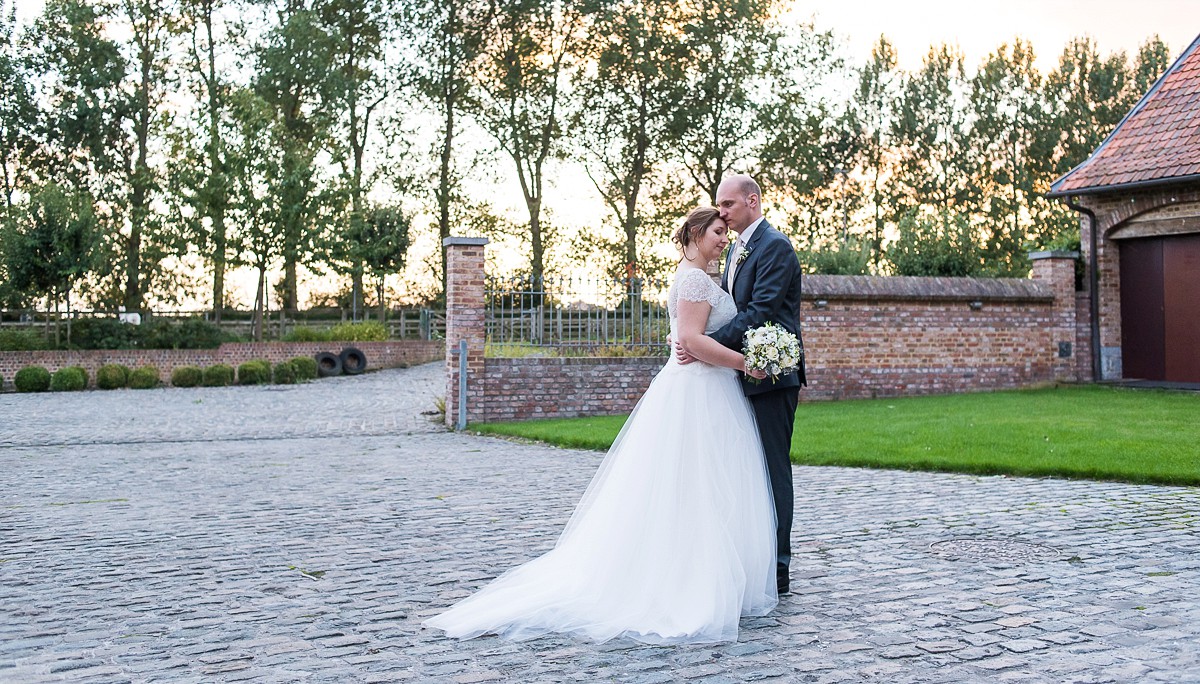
{"x": 145, "y": 377}
{"x": 191, "y": 333}
{"x": 69, "y": 379}
{"x": 308, "y": 335}
{"x": 217, "y": 375}
{"x": 32, "y": 379}
{"x": 358, "y": 332}
{"x": 21, "y": 340}
{"x": 112, "y": 376}
{"x": 186, "y": 376}
{"x": 104, "y": 333}
{"x": 285, "y": 373}
{"x": 255, "y": 372}
{"x": 84, "y": 373}
{"x": 306, "y": 368}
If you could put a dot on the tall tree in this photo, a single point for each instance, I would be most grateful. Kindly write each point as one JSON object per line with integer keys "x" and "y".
{"x": 296, "y": 77}
{"x": 211, "y": 33}
{"x": 450, "y": 35}
{"x": 627, "y": 102}
{"x": 356, "y": 30}
{"x": 52, "y": 246}
{"x": 936, "y": 168}
{"x": 143, "y": 247}
{"x": 873, "y": 106}
{"x": 18, "y": 110}
{"x": 522, "y": 82}
{"x": 736, "y": 52}
{"x": 257, "y": 168}
{"x": 1008, "y": 111}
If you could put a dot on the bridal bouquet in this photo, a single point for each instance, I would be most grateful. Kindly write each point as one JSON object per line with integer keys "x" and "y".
{"x": 772, "y": 349}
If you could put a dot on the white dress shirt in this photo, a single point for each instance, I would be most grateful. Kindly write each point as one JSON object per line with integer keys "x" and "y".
{"x": 739, "y": 245}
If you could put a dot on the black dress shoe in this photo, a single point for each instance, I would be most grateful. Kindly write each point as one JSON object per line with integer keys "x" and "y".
{"x": 782, "y": 579}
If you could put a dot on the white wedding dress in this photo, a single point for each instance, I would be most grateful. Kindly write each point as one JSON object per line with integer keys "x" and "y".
{"x": 674, "y": 539}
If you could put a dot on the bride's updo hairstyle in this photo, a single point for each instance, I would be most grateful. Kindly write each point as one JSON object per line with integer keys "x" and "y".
{"x": 694, "y": 224}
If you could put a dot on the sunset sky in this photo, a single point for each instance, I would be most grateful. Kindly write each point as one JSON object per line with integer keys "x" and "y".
{"x": 978, "y": 28}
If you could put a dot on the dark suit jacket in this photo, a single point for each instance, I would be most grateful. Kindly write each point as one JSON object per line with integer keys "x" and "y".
{"x": 766, "y": 288}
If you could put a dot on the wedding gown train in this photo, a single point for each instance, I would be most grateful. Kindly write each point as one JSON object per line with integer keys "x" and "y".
{"x": 673, "y": 540}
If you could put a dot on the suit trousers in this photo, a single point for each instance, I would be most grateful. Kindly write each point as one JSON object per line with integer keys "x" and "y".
{"x": 775, "y": 414}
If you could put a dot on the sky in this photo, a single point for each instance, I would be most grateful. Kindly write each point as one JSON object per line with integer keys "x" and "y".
{"x": 978, "y": 28}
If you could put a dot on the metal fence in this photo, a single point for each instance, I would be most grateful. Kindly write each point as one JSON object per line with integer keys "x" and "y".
{"x": 576, "y": 315}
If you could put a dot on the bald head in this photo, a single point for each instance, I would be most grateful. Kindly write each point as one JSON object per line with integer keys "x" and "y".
{"x": 739, "y": 200}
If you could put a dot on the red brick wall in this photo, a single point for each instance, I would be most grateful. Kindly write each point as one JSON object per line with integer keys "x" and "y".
{"x": 387, "y": 354}
{"x": 554, "y": 387}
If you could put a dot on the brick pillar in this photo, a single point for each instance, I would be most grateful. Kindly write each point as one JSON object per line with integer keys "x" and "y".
{"x": 464, "y": 321}
{"x": 1057, "y": 270}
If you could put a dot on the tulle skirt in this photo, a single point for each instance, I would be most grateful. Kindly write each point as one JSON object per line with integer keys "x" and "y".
{"x": 673, "y": 541}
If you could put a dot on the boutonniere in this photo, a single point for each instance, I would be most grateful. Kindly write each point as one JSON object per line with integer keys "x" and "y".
{"x": 745, "y": 253}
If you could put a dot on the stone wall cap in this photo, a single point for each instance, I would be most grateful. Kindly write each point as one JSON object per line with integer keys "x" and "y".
{"x": 924, "y": 288}
{"x": 471, "y": 241}
{"x": 1053, "y": 254}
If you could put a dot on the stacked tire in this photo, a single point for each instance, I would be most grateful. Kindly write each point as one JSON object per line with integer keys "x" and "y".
{"x": 350, "y": 361}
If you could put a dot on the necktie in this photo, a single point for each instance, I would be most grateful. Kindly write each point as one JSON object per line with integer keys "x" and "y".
{"x": 733, "y": 262}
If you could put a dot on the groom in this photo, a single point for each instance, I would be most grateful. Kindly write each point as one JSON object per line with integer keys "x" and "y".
{"x": 762, "y": 274}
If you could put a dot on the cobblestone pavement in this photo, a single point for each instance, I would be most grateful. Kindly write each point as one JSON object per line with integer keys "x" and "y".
{"x": 303, "y": 534}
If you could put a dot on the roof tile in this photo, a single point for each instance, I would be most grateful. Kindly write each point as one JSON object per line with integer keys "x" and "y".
{"x": 1159, "y": 140}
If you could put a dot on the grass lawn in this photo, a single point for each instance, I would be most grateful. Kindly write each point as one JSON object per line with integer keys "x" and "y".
{"x": 1092, "y": 432}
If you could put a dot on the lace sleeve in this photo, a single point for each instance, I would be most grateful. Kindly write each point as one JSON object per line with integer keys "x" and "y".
{"x": 694, "y": 285}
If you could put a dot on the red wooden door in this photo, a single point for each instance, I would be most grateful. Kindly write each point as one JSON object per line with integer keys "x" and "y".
{"x": 1160, "y": 308}
{"x": 1181, "y": 307}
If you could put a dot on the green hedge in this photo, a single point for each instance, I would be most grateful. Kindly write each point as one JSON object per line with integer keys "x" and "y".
{"x": 69, "y": 379}
{"x": 156, "y": 333}
{"x": 306, "y": 368}
{"x": 112, "y": 376}
{"x": 256, "y": 372}
{"x": 187, "y": 376}
{"x": 32, "y": 379}
{"x": 344, "y": 332}
{"x": 285, "y": 373}
{"x": 21, "y": 340}
{"x": 145, "y": 377}
{"x": 217, "y": 375}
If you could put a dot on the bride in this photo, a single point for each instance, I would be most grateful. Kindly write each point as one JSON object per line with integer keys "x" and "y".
{"x": 674, "y": 539}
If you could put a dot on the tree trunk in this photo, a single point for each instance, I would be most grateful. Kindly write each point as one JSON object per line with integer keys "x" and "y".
{"x": 259, "y": 301}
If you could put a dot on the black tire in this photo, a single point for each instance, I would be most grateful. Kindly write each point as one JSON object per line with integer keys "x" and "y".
{"x": 328, "y": 364}
{"x": 353, "y": 361}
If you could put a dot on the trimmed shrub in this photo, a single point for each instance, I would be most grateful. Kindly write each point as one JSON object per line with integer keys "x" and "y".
{"x": 256, "y": 372}
{"x": 145, "y": 377}
{"x": 307, "y": 334}
{"x": 285, "y": 373}
{"x": 69, "y": 379}
{"x": 306, "y": 368}
{"x": 32, "y": 379}
{"x": 186, "y": 376}
{"x": 112, "y": 376}
{"x": 86, "y": 378}
{"x": 358, "y": 332}
{"x": 1, "y": 383}
{"x": 217, "y": 375}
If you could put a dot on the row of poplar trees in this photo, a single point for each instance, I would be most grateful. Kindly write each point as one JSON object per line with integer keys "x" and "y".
{"x": 145, "y": 142}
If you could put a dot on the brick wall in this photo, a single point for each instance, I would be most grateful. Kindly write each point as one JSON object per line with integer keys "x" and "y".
{"x": 864, "y": 336}
{"x": 553, "y": 387}
{"x": 387, "y": 354}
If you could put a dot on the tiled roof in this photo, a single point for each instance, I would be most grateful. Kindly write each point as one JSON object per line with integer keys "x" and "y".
{"x": 1158, "y": 141}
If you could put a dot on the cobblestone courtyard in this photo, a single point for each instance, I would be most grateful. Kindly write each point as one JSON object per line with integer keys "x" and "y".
{"x": 301, "y": 534}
